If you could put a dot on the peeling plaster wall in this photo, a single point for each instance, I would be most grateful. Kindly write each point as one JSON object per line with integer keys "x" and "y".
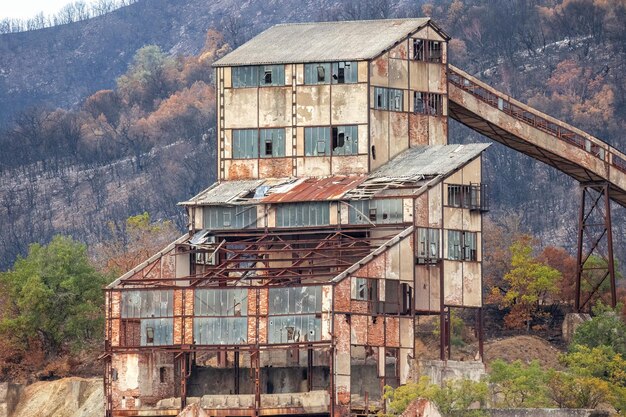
{"x": 292, "y": 107}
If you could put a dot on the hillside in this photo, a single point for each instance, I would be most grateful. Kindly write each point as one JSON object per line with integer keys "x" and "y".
{"x": 73, "y": 179}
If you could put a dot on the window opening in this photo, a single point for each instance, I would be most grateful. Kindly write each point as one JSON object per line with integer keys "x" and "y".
{"x": 341, "y": 77}
{"x": 428, "y": 245}
{"x": 372, "y": 214}
{"x": 374, "y": 152}
{"x": 162, "y": 374}
{"x": 365, "y": 289}
{"x": 267, "y": 79}
{"x": 454, "y": 245}
{"x": 418, "y": 49}
{"x": 268, "y": 148}
{"x": 321, "y": 74}
{"x": 150, "y": 335}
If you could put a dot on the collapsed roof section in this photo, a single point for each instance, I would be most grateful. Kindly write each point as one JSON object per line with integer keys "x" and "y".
{"x": 415, "y": 166}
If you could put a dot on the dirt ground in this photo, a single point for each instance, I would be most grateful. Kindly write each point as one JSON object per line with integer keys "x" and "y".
{"x": 524, "y": 348}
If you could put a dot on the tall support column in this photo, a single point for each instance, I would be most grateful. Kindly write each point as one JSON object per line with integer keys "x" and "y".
{"x": 108, "y": 393}
{"x": 595, "y": 262}
{"x": 184, "y": 367}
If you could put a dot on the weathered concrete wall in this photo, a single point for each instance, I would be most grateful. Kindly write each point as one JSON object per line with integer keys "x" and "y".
{"x": 441, "y": 371}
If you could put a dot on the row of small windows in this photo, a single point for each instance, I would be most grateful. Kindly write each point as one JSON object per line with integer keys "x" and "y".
{"x": 462, "y": 245}
{"x": 313, "y": 213}
{"x": 375, "y": 211}
{"x": 233, "y": 217}
{"x": 259, "y": 75}
{"x": 252, "y": 143}
{"x": 318, "y": 141}
{"x": 317, "y": 213}
{"x": 393, "y": 99}
{"x": 340, "y": 140}
{"x": 344, "y": 72}
{"x": 335, "y": 73}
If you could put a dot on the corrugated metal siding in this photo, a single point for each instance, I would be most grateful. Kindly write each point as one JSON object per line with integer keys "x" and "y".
{"x": 426, "y": 161}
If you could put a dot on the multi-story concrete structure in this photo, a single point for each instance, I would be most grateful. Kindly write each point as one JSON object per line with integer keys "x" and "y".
{"x": 340, "y": 215}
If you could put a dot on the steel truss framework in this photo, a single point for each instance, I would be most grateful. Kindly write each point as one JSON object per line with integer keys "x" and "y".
{"x": 594, "y": 229}
{"x": 275, "y": 257}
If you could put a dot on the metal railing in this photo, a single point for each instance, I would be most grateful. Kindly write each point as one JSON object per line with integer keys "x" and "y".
{"x": 601, "y": 151}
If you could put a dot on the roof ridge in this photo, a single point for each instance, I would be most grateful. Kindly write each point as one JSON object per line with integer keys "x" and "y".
{"x": 332, "y": 22}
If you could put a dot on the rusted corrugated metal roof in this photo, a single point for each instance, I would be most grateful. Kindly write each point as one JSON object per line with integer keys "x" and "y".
{"x": 223, "y": 193}
{"x": 323, "y": 41}
{"x": 316, "y": 189}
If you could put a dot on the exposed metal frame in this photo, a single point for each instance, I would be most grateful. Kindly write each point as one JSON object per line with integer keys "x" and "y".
{"x": 594, "y": 229}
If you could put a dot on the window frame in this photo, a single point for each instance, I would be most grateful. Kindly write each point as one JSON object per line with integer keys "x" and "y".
{"x": 428, "y": 50}
{"x": 256, "y": 75}
{"x": 467, "y": 248}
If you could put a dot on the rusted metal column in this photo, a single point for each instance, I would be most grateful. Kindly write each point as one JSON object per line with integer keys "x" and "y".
{"x": 579, "y": 256}
{"x": 609, "y": 237}
{"x": 479, "y": 325}
{"x": 236, "y": 371}
{"x": 595, "y": 229}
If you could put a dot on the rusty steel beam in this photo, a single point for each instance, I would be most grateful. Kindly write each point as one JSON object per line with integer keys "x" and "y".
{"x": 595, "y": 238}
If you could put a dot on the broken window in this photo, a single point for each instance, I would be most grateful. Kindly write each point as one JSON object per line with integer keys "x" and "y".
{"x": 229, "y": 217}
{"x": 147, "y": 303}
{"x": 317, "y": 73}
{"x": 314, "y": 213}
{"x": 396, "y": 100}
{"x": 427, "y": 103}
{"x": 364, "y": 289}
{"x": 434, "y": 51}
{"x": 162, "y": 374}
{"x": 295, "y": 314}
{"x": 272, "y": 142}
{"x": 345, "y": 140}
{"x": 245, "y": 143}
{"x": 254, "y": 76}
{"x": 418, "y": 102}
{"x": 345, "y": 72}
{"x": 157, "y": 332}
{"x": 427, "y": 50}
{"x": 231, "y": 302}
{"x": 389, "y": 210}
{"x": 418, "y": 49}
{"x": 316, "y": 141}
{"x": 470, "y": 252}
{"x": 460, "y": 195}
{"x": 454, "y": 195}
{"x": 381, "y": 98}
{"x": 478, "y": 200}
{"x": 427, "y": 245}
{"x": 388, "y": 99}
{"x": 220, "y": 316}
{"x": 392, "y": 367}
{"x": 435, "y": 104}
{"x": 454, "y": 245}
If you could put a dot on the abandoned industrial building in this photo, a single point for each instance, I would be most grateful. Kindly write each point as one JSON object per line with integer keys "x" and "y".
{"x": 340, "y": 216}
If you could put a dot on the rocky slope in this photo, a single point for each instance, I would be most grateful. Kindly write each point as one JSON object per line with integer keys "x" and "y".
{"x": 67, "y": 397}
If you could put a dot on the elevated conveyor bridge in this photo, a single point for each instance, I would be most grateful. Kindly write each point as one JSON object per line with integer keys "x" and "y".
{"x": 599, "y": 167}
